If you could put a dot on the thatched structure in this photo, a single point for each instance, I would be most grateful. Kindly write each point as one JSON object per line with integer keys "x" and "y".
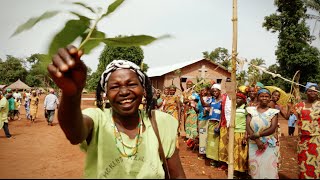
{"x": 18, "y": 85}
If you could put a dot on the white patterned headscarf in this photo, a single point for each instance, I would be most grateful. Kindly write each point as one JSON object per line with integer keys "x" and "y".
{"x": 120, "y": 64}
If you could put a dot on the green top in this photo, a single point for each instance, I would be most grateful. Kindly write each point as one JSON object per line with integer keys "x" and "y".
{"x": 104, "y": 159}
{"x": 240, "y": 121}
{"x": 11, "y": 104}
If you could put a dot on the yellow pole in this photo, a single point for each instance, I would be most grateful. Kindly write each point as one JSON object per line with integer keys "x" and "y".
{"x": 232, "y": 95}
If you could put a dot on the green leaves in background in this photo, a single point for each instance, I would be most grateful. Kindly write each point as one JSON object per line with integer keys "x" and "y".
{"x": 72, "y": 30}
{"x": 136, "y": 40}
{"x": 113, "y": 7}
{"x": 33, "y": 21}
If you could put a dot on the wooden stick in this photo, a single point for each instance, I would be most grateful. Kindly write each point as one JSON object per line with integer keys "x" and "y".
{"x": 232, "y": 95}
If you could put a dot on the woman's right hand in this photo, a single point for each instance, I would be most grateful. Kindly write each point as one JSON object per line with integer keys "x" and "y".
{"x": 260, "y": 144}
{"x": 68, "y": 71}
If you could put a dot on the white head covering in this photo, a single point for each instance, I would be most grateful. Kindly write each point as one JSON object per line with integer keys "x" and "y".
{"x": 121, "y": 64}
{"x": 216, "y": 86}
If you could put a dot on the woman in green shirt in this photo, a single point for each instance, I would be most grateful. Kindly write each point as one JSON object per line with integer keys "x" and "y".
{"x": 119, "y": 141}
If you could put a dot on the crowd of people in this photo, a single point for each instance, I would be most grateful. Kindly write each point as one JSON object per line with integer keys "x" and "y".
{"x": 133, "y": 121}
{"x": 257, "y": 131}
{"x": 11, "y": 101}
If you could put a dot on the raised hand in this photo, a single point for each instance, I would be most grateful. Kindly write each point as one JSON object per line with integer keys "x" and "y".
{"x": 68, "y": 71}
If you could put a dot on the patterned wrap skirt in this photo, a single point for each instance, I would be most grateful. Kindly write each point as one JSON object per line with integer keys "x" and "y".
{"x": 240, "y": 153}
{"x": 309, "y": 157}
{"x": 223, "y": 144}
{"x": 212, "y": 141}
{"x": 203, "y": 130}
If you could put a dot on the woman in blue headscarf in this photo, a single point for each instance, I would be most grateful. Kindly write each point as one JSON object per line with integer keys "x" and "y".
{"x": 261, "y": 127}
{"x": 308, "y": 113}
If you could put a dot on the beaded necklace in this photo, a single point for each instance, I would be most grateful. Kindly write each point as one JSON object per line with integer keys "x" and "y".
{"x": 119, "y": 141}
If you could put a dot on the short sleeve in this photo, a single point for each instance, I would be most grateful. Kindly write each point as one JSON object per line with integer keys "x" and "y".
{"x": 168, "y": 127}
{"x": 95, "y": 114}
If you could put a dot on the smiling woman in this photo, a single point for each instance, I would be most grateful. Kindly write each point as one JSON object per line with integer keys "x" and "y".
{"x": 120, "y": 141}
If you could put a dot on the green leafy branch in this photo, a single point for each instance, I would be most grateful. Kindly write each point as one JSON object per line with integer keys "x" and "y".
{"x": 91, "y": 37}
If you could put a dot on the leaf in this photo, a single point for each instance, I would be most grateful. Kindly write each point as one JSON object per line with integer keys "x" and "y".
{"x": 80, "y": 16}
{"x": 33, "y": 21}
{"x": 113, "y": 7}
{"x": 84, "y": 5}
{"x": 137, "y": 40}
{"x": 92, "y": 43}
{"x": 72, "y": 30}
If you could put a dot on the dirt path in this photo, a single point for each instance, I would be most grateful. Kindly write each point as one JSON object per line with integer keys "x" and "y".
{"x": 41, "y": 151}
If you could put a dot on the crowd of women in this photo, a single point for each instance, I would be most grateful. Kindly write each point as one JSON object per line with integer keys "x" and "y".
{"x": 206, "y": 116}
{"x": 121, "y": 141}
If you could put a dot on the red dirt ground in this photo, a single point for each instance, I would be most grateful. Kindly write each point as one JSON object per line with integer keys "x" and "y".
{"x": 41, "y": 151}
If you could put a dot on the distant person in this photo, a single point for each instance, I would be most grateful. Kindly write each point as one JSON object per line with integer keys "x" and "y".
{"x": 51, "y": 103}
{"x": 16, "y": 112}
{"x": 26, "y": 104}
{"x": 34, "y": 102}
{"x": 292, "y": 123}
{"x": 4, "y": 109}
{"x": 11, "y": 101}
{"x": 17, "y": 95}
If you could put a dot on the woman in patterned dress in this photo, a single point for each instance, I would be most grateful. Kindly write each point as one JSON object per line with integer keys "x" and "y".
{"x": 34, "y": 101}
{"x": 308, "y": 113}
{"x": 261, "y": 128}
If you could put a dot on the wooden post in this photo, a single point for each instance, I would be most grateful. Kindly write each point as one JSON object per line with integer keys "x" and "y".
{"x": 232, "y": 95}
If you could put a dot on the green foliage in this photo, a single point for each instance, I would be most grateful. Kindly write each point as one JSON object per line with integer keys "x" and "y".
{"x": 139, "y": 40}
{"x": 86, "y": 30}
{"x": 113, "y": 7}
{"x": 201, "y": 83}
{"x": 87, "y": 47}
{"x": 219, "y": 55}
{"x": 254, "y": 74}
{"x": 84, "y": 5}
{"x": 72, "y": 30}
{"x": 294, "y": 51}
{"x": 33, "y": 21}
{"x": 11, "y": 70}
{"x": 38, "y": 75}
{"x": 241, "y": 77}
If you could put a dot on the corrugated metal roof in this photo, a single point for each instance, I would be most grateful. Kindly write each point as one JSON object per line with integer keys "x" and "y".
{"x": 159, "y": 71}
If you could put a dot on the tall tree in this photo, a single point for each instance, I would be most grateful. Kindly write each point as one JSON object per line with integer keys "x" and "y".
{"x": 11, "y": 70}
{"x": 254, "y": 74}
{"x": 294, "y": 51}
{"x": 219, "y": 55}
{"x": 38, "y": 75}
{"x": 242, "y": 77}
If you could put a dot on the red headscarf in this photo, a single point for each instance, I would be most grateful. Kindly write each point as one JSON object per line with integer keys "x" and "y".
{"x": 242, "y": 96}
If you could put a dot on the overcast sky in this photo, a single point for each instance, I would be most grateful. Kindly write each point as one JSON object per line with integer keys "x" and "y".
{"x": 195, "y": 26}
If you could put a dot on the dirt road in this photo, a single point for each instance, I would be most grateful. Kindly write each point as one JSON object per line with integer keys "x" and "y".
{"x": 41, "y": 151}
